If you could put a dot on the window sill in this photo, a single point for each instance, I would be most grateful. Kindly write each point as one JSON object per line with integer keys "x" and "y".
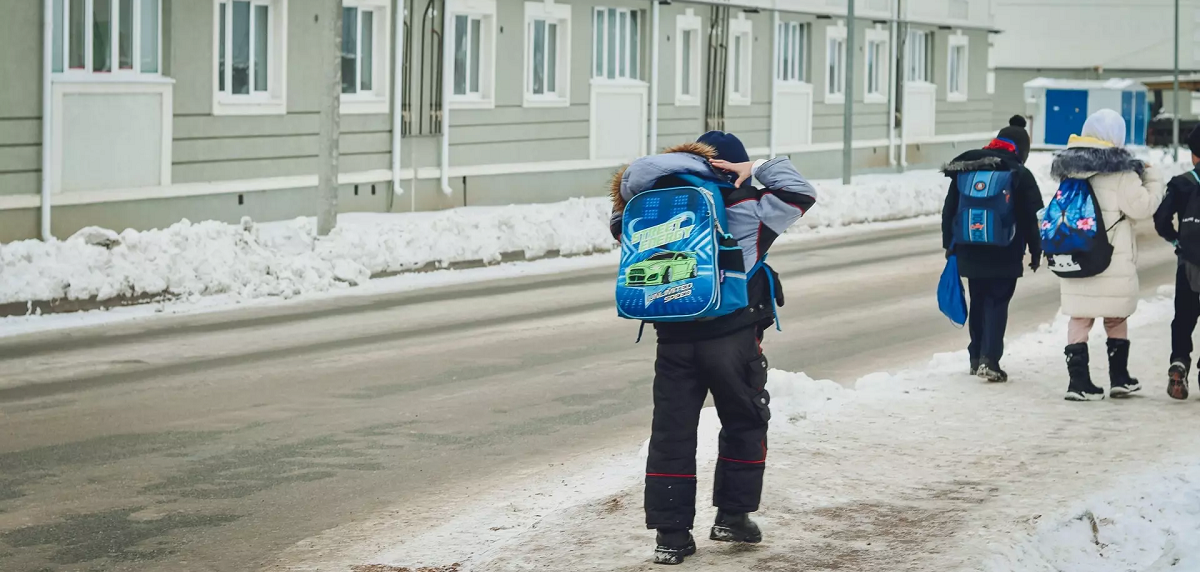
{"x": 875, "y": 98}
{"x": 739, "y": 101}
{"x": 533, "y": 101}
{"x": 686, "y": 101}
{"x": 619, "y": 82}
{"x": 956, "y": 97}
{"x": 835, "y": 99}
{"x": 228, "y": 106}
{"x": 86, "y": 77}
{"x": 375, "y": 106}
{"x": 472, "y": 104}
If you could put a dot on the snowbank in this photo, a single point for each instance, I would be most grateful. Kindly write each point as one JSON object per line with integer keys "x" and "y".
{"x": 285, "y": 259}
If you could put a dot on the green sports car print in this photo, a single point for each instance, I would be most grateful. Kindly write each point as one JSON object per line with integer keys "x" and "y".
{"x": 661, "y": 268}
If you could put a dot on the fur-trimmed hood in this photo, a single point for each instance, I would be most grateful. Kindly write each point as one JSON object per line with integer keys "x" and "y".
{"x": 979, "y": 164}
{"x": 1085, "y": 162}
{"x": 641, "y": 174}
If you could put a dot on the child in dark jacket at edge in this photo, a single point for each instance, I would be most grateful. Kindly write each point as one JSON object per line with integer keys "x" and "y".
{"x": 1181, "y": 190}
{"x": 721, "y": 355}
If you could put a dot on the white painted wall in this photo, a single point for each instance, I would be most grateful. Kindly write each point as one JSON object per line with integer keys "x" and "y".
{"x": 1085, "y": 34}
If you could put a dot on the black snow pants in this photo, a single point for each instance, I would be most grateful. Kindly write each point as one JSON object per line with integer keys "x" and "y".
{"x": 988, "y": 318}
{"x": 1187, "y": 311}
{"x": 735, "y": 371}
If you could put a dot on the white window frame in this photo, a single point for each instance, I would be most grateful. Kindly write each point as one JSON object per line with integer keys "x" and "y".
{"x": 273, "y": 101}
{"x": 485, "y": 12}
{"x": 688, "y": 22}
{"x": 991, "y": 73}
{"x": 793, "y": 55}
{"x": 918, "y": 51}
{"x": 86, "y": 73}
{"x": 958, "y": 93}
{"x": 875, "y": 89}
{"x": 560, "y": 16}
{"x": 625, "y": 46}
{"x": 377, "y": 99}
{"x": 835, "y": 33}
{"x": 741, "y": 31}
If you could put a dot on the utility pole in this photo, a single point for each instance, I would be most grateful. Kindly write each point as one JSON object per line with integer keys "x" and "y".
{"x": 330, "y": 118}
{"x": 848, "y": 89}
{"x": 1175, "y": 93}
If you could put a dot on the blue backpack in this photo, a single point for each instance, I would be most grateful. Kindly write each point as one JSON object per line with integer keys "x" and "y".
{"x": 678, "y": 261}
{"x": 985, "y": 214}
{"x": 1074, "y": 237}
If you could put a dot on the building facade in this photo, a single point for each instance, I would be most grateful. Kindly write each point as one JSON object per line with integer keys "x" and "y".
{"x": 159, "y": 110}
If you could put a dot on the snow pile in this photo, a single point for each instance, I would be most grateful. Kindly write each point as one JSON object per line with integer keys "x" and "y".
{"x": 286, "y": 259}
{"x": 875, "y": 198}
{"x": 1149, "y": 524}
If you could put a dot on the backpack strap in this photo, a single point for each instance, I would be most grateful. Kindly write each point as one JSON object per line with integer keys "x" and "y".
{"x": 1194, "y": 175}
{"x": 641, "y": 329}
{"x": 762, "y": 263}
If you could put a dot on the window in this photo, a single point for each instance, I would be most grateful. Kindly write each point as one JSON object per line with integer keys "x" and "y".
{"x": 547, "y": 53}
{"x": 918, "y": 56}
{"x": 876, "y": 67}
{"x": 474, "y": 49}
{"x": 616, "y": 41}
{"x": 741, "y": 45}
{"x": 106, "y": 36}
{"x": 365, "y": 47}
{"x": 687, "y": 59}
{"x": 250, "y": 52}
{"x": 956, "y": 69}
{"x": 793, "y": 52}
{"x": 835, "y": 64}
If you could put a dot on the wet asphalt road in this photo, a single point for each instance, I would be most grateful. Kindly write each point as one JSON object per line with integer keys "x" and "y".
{"x": 218, "y": 441}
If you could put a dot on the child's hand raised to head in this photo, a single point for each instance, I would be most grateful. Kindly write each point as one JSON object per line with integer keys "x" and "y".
{"x": 743, "y": 170}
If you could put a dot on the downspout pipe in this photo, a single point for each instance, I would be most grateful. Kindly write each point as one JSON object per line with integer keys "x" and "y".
{"x": 47, "y": 118}
{"x": 447, "y": 92}
{"x": 397, "y": 97}
{"x": 774, "y": 81}
{"x": 894, "y": 49}
{"x": 654, "y": 25}
{"x": 902, "y": 95}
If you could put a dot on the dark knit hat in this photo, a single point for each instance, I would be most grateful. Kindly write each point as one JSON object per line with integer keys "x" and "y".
{"x": 728, "y": 146}
{"x": 1016, "y": 133}
{"x": 1193, "y": 141}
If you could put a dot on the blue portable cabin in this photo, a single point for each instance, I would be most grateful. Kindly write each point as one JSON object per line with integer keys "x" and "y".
{"x": 1058, "y": 107}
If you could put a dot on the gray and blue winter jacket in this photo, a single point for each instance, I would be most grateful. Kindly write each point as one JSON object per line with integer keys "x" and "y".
{"x": 756, "y": 217}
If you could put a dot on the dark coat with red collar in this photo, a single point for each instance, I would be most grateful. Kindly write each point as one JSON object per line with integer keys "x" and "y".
{"x": 984, "y": 262}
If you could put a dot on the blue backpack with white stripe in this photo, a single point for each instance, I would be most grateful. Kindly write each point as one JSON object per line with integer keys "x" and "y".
{"x": 985, "y": 216}
{"x": 678, "y": 261}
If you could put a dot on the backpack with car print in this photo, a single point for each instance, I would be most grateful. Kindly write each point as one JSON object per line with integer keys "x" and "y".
{"x": 678, "y": 261}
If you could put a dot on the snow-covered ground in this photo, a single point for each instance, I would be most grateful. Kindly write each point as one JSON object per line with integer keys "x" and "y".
{"x": 921, "y": 469}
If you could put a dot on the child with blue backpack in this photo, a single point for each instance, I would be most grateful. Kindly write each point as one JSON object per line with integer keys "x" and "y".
{"x": 988, "y": 222}
{"x": 674, "y": 263}
{"x": 1088, "y": 237}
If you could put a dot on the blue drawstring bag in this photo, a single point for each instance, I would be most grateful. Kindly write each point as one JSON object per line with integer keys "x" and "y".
{"x": 952, "y": 301}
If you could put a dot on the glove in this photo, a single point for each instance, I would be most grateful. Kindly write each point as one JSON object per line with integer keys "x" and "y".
{"x": 949, "y": 253}
{"x": 1035, "y": 261}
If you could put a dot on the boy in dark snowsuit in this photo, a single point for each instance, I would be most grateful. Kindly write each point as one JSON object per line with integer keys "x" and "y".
{"x": 722, "y": 355}
{"x": 992, "y": 271}
{"x": 1180, "y": 192}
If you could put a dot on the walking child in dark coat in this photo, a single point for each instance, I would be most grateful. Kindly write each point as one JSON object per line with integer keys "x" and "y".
{"x": 1169, "y": 219}
{"x": 721, "y": 355}
{"x": 992, "y": 271}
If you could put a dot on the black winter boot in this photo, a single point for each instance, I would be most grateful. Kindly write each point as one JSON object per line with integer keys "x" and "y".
{"x": 735, "y": 527}
{"x": 674, "y": 546}
{"x": 1118, "y": 369}
{"x": 1177, "y": 380}
{"x": 1081, "y": 388}
{"x": 990, "y": 371}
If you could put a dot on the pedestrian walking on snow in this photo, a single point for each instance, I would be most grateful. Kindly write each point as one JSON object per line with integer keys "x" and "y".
{"x": 1178, "y": 221}
{"x": 721, "y": 355}
{"x": 990, "y": 263}
{"x": 1124, "y": 189}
